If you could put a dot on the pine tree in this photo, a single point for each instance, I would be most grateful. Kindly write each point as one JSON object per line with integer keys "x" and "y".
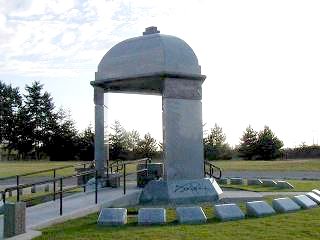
{"x": 248, "y": 144}
{"x": 268, "y": 145}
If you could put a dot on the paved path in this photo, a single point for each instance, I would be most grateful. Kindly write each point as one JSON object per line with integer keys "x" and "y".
{"x": 274, "y": 174}
{"x": 74, "y": 206}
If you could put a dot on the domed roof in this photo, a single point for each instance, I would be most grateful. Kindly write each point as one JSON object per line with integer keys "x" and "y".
{"x": 147, "y": 55}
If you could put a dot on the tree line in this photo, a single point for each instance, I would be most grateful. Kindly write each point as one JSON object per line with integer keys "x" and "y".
{"x": 263, "y": 145}
{"x": 32, "y": 128}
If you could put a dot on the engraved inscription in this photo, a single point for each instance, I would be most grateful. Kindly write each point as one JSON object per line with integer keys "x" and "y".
{"x": 190, "y": 187}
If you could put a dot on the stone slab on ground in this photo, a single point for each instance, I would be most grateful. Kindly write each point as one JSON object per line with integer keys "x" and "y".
{"x": 191, "y": 215}
{"x": 316, "y": 191}
{"x": 148, "y": 216}
{"x": 282, "y": 205}
{"x": 284, "y": 185}
{"x": 236, "y": 181}
{"x": 259, "y": 209}
{"x": 112, "y": 216}
{"x": 227, "y": 212}
{"x": 252, "y": 181}
{"x": 314, "y": 197}
{"x": 304, "y": 202}
{"x": 268, "y": 183}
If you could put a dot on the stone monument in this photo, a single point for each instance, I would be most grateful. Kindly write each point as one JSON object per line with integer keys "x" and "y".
{"x": 163, "y": 65}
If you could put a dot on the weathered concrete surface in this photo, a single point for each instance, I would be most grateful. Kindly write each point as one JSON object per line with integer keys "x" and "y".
{"x": 283, "y": 205}
{"x": 314, "y": 197}
{"x": 14, "y": 219}
{"x": 112, "y": 216}
{"x": 228, "y": 212}
{"x": 190, "y": 215}
{"x": 236, "y": 181}
{"x": 304, "y": 202}
{"x": 181, "y": 192}
{"x": 148, "y": 216}
{"x": 259, "y": 209}
{"x": 284, "y": 185}
{"x": 182, "y": 136}
{"x": 254, "y": 181}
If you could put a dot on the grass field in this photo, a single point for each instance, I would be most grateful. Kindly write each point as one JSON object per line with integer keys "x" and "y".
{"x": 301, "y": 225}
{"x": 287, "y": 165}
{"x": 19, "y": 167}
{"x": 10, "y": 168}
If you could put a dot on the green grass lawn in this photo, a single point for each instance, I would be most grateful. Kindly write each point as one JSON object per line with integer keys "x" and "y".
{"x": 10, "y": 168}
{"x": 299, "y": 186}
{"x": 301, "y": 225}
{"x": 287, "y": 165}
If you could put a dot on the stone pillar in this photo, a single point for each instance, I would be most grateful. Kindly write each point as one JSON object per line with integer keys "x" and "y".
{"x": 182, "y": 129}
{"x": 99, "y": 154}
{"x": 14, "y": 219}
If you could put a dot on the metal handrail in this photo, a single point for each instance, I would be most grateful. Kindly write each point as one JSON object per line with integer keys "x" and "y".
{"x": 212, "y": 167}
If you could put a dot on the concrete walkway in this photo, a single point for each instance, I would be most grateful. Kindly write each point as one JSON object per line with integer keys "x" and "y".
{"x": 74, "y": 206}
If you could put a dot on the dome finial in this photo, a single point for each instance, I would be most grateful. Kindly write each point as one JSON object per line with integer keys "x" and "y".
{"x": 151, "y": 30}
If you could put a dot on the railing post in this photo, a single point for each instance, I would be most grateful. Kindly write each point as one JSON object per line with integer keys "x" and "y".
{"x": 204, "y": 168}
{"x": 4, "y": 196}
{"x": 18, "y": 189}
{"x": 96, "y": 188}
{"x": 61, "y": 196}
{"x": 54, "y": 184}
{"x": 124, "y": 179}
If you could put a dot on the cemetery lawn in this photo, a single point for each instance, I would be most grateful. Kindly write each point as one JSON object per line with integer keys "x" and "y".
{"x": 11, "y": 168}
{"x": 299, "y": 186}
{"x": 278, "y": 165}
{"x": 300, "y": 225}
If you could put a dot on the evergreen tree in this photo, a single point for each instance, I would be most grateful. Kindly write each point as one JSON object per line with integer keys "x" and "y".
{"x": 147, "y": 147}
{"x": 10, "y": 103}
{"x": 268, "y": 145}
{"x": 215, "y": 146}
{"x": 86, "y": 144}
{"x": 38, "y": 113}
{"x": 248, "y": 144}
{"x": 117, "y": 141}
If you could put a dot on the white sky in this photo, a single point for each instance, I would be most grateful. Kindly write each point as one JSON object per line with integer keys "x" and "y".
{"x": 261, "y": 58}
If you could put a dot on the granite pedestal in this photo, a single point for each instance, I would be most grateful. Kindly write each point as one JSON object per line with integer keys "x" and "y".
{"x": 149, "y": 216}
{"x": 180, "y": 192}
{"x": 228, "y": 212}
{"x": 112, "y": 216}
{"x": 283, "y": 205}
{"x": 259, "y": 209}
{"x": 304, "y": 202}
{"x": 190, "y": 215}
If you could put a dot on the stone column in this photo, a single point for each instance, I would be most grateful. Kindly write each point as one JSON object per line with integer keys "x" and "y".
{"x": 99, "y": 154}
{"x": 182, "y": 129}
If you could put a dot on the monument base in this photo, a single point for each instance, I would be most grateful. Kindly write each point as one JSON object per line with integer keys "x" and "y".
{"x": 179, "y": 192}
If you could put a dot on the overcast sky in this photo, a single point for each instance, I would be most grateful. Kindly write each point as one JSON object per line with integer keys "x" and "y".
{"x": 261, "y": 58}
